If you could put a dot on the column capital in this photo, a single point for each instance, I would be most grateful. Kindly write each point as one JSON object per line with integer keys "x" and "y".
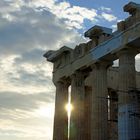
{"x": 128, "y": 51}
{"x": 80, "y": 74}
{"x": 101, "y": 64}
{"x": 64, "y": 82}
{"x": 78, "y": 77}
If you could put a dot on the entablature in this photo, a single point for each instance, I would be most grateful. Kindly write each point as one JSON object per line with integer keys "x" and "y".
{"x": 60, "y": 57}
{"x": 107, "y": 50}
{"x": 104, "y": 45}
{"x": 134, "y": 10}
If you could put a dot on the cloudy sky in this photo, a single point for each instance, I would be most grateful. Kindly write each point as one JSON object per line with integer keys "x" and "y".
{"x": 28, "y": 28}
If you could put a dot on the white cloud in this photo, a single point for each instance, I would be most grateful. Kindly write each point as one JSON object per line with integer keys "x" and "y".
{"x": 105, "y": 9}
{"x": 73, "y": 16}
{"x": 35, "y": 30}
{"x": 27, "y": 29}
{"x": 22, "y": 116}
{"x": 25, "y": 79}
{"x": 70, "y": 14}
{"x": 114, "y": 27}
{"x": 76, "y": 14}
{"x": 109, "y": 17}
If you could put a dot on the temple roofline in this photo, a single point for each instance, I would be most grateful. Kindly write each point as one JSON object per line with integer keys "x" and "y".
{"x": 131, "y": 7}
{"x": 97, "y": 30}
{"x": 53, "y": 55}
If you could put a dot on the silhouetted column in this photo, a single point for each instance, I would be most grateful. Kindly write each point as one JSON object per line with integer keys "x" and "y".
{"x": 88, "y": 92}
{"x": 128, "y": 115}
{"x": 113, "y": 115}
{"x": 99, "y": 110}
{"x": 61, "y": 118}
{"x": 78, "y": 114}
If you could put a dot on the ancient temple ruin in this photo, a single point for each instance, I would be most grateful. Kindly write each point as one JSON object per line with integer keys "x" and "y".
{"x": 106, "y": 99}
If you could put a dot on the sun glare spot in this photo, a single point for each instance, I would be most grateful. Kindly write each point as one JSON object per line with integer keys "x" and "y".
{"x": 69, "y": 108}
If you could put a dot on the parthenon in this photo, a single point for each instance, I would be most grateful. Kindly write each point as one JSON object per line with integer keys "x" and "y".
{"x": 106, "y": 99}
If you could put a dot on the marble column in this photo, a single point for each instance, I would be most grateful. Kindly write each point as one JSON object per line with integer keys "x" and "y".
{"x": 99, "y": 110}
{"x": 77, "y": 128}
{"x": 113, "y": 115}
{"x": 128, "y": 119}
{"x": 61, "y": 118}
{"x": 88, "y": 92}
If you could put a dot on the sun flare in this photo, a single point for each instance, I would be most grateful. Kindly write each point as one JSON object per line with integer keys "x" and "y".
{"x": 69, "y": 108}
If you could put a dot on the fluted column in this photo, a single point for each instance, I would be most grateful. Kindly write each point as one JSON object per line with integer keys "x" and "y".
{"x": 99, "y": 111}
{"x": 78, "y": 113}
{"x": 61, "y": 118}
{"x": 113, "y": 116}
{"x": 88, "y": 92}
{"x": 128, "y": 118}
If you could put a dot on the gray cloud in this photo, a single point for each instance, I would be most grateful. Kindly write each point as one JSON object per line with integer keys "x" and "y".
{"x": 33, "y": 29}
{"x": 26, "y": 32}
{"x": 26, "y": 78}
{"x": 34, "y": 56}
{"x": 13, "y": 100}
